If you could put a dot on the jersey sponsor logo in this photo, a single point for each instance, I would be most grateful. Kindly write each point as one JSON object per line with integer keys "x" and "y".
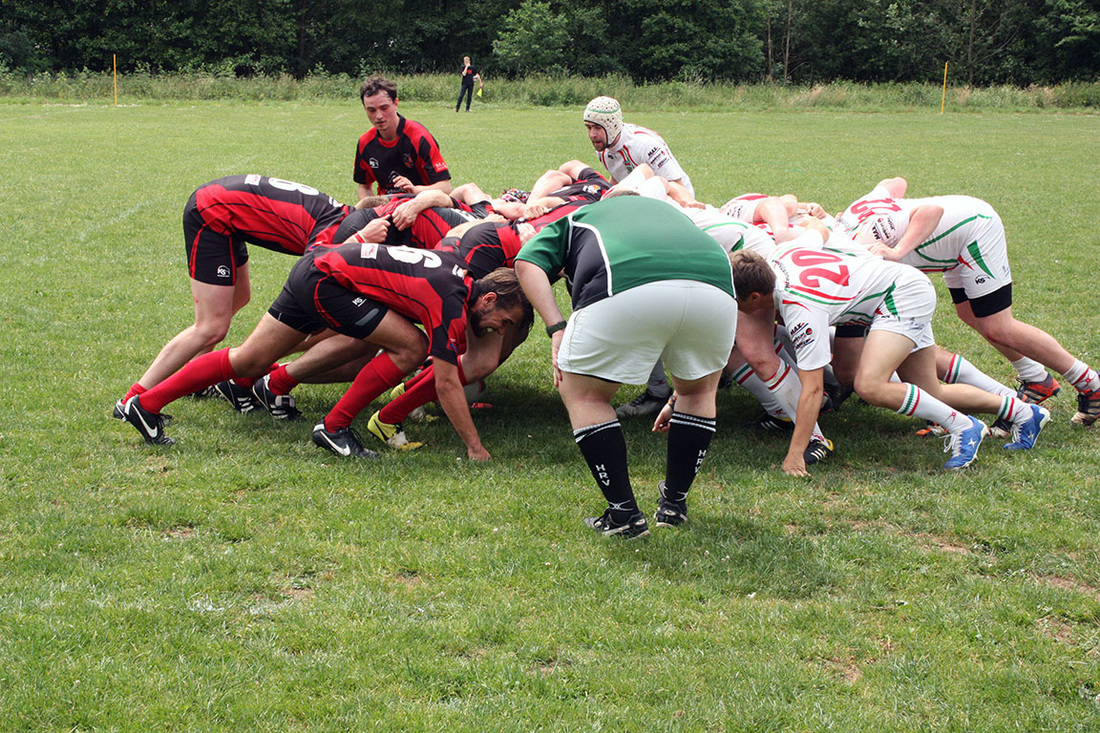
{"x": 407, "y": 159}
{"x": 803, "y": 340}
{"x": 252, "y": 179}
{"x": 373, "y": 163}
{"x": 223, "y": 271}
{"x": 358, "y": 301}
{"x": 440, "y": 167}
{"x": 369, "y": 251}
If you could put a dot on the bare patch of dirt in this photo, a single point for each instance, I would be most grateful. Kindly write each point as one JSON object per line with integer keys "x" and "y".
{"x": 1069, "y": 584}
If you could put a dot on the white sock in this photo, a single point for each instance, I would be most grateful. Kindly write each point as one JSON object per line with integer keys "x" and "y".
{"x": 1014, "y": 410}
{"x": 751, "y": 381}
{"x": 1082, "y": 377}
{"x": 786, "y": 388}
{"x": 918, "y": 403}
{"x": 961, "y": 371}
{"x": 1029, "y": 370}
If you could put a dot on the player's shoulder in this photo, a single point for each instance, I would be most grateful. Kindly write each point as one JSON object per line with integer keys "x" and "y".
{"x": 643, "y": 134}
{"x": 416, "y": 130}
{"x": 367, "y": 137}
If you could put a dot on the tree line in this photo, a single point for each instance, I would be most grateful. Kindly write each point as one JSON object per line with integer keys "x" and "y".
{"x": 1018, "y": 42}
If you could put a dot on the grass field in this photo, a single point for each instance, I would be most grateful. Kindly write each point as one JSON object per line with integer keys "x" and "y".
{"x": 245, "y": 580}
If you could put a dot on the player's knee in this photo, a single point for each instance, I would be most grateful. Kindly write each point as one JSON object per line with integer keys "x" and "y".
{"x": 212, "y": 332}
{"x": 998, "y": 331}
{"x": 870, "y": 390}
{"x": 410, "y": 356}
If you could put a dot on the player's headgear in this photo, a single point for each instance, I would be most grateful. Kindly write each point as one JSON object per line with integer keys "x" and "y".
{"x": 605, "y": 112}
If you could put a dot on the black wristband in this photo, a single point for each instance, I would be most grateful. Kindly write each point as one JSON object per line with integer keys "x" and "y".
{"x": 559, "y": 326}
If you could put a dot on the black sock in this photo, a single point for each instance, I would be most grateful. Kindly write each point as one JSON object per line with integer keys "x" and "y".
{"x": 604, "y": 448}
{"x": 688, "y": 439}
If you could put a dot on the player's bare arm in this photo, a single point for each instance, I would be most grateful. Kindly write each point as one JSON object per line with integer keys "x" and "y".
{"x": 809, "y": 407}
{"x": 922, "y": 222}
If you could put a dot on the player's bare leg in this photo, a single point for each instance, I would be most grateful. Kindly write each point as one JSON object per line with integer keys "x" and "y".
{"x": 215, "y": 306}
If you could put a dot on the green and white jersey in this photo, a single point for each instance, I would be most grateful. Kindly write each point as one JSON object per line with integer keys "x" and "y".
{"x": 969, "y": 229}
{"x": 620, "y": 243}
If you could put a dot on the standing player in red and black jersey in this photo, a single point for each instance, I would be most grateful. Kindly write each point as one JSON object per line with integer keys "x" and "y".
{"x": 220, "y": 217}
{"x": 396, "y": 155}
{"x": 373, "y": 293}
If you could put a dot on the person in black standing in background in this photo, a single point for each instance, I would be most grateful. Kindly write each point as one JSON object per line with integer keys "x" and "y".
{"x": 469, "y": 75}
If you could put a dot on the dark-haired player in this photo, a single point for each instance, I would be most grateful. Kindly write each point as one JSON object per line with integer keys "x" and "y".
{"x": 396, "y": 155}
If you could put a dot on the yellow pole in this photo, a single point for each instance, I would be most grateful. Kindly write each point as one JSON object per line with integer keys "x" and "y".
{"x": 943, "y": 101}
{"x": 114, "y": 63}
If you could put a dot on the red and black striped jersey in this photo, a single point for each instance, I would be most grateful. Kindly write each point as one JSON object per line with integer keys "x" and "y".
{"x": 589, "y": 187}
{"x": 487, "y": 246}
{"x": 281, "y": 215}
{"x": 413, "y": 154}
{"x": 430, "y": 288}
{"x": 428, "y": 228}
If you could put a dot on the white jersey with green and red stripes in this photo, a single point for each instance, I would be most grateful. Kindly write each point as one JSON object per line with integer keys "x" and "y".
{"x": 820, "y": 287}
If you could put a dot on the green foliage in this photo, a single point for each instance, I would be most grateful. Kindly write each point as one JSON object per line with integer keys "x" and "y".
{"x": 533, "y": 40}
{"x": 1019, "y": 42}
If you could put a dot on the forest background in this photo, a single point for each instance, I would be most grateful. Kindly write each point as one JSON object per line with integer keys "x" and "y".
{"x": 1013, "y": 42}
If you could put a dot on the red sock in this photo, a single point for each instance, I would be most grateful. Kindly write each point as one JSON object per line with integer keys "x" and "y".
{"x": 200, "y": 372}
{"x": 281, "y": 382}
{"x": 420, "y": 390}
{"x": 247, "y": 382}
{"x": 135, "y": 389}
{"x": 376, "y": 377}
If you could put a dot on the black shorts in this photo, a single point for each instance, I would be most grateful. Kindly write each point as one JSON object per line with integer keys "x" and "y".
{"x": 312, "y": 300}
{"x": 851, "y": 331}
{"x": 212, "y": 257}
{"x": 987, "y": 305}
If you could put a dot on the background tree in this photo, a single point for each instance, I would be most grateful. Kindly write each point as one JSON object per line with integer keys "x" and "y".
{"x": 534, "y": 39}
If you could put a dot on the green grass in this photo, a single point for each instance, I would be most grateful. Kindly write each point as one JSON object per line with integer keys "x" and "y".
{"x": 244, "y": 580}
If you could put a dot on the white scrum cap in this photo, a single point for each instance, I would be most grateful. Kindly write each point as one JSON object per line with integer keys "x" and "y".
{"x": 605, "y": 112}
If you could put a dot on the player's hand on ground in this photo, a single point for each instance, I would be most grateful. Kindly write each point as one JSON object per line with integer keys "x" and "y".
{"x": 478, "y": 453}
{"x": 795, "y": 465}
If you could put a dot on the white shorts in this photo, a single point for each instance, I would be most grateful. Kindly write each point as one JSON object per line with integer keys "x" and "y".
{"x": 985, "y": 270}
{"x": 687, "y": 324}
{"x": 914, "y": 303}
